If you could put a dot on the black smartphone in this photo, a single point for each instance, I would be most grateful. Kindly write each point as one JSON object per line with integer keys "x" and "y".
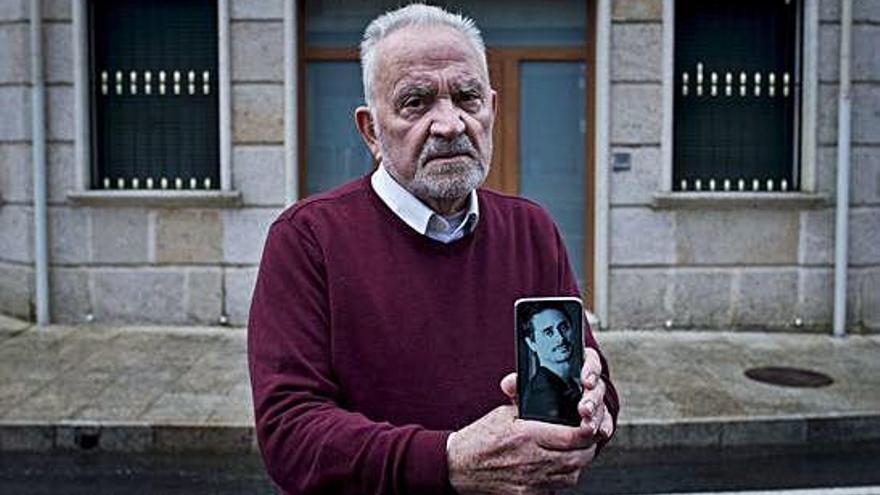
{"x": 549, "y": 358}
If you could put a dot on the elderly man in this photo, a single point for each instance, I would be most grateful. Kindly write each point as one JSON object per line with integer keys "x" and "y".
{"x": 382, "y": 316}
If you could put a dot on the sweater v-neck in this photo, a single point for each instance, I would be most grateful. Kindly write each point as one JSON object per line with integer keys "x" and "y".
{"x": 450, "y": 248}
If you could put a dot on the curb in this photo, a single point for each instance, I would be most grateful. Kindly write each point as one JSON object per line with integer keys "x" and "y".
{"x": 839, "y": 430}
{"x": 67, "y": 436}
{"x": 793, "y": 431}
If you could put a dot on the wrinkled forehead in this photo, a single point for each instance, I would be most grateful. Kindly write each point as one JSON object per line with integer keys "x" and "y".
{"x": 548, "y": 318}
{"x": 412, "y": 52}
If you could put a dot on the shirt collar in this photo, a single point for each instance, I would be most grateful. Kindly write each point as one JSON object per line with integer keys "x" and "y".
{"x": 417, "y": 214}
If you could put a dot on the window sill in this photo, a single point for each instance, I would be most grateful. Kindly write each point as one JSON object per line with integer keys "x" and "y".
{"x": 738, "y": 200}
{"x": 161, "y": 198}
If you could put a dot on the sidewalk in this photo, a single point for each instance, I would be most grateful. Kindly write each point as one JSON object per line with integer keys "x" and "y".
{"x": 160, "y": 389}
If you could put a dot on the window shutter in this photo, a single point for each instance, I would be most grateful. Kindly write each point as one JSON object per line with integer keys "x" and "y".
{"x": 736, "y": 95}
{"x": 154, "y": 94}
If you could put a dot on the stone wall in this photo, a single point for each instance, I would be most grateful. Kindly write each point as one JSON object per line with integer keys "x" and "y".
{"x": 140, "y": 264}
{"x": 695, "y": 268}
{"x": 743, "y": 267}
{"x": 16, "y": 182}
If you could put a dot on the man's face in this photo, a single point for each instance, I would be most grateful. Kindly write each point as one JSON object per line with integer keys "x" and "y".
{"x": 551, "y": 339}
{"x": 433, "y": 112}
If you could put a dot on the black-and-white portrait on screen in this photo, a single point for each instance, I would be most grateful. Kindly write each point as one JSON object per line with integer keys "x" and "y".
{"x": 549, "y": 358}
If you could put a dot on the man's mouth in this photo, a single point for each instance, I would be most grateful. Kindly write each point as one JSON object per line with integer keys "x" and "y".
{"x": 562, "y": 348}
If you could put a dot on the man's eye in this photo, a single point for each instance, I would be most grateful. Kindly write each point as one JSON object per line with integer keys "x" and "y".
{"x": 548, "y": 332}
{"x": 414, "y": 102}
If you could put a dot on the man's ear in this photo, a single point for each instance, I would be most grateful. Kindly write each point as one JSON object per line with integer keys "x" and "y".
{"x": 493, "y": 99}
{"x": 363, "y": 120}
{"x": 531, "y": 344}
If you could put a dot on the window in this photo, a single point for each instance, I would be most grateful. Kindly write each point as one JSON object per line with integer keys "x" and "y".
{"x": 737, "y": 90}
{"x": 154, "y": 94}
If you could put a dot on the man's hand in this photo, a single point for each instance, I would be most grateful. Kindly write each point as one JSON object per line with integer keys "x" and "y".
{"x": 500, "y": 453}
{"x": 592, "y": 405}
{"x": 594, "y": 414}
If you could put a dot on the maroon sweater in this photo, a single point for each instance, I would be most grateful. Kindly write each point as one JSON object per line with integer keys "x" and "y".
{"x": 369, "y": 342}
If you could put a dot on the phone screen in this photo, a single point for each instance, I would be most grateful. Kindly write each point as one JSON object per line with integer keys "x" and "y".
{"x": 549, "y": 347}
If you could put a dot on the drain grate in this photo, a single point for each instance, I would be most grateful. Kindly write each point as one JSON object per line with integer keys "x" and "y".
{"x": 789, "y": 377}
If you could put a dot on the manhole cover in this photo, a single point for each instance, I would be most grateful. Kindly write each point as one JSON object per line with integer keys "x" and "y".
{"x": 789, "y": 377}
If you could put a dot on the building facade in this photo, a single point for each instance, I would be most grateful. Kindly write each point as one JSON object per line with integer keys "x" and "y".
{"x": 605, "y": 107}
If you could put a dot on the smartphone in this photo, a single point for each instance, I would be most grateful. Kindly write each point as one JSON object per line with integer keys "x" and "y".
{"x": 549, "y": 358}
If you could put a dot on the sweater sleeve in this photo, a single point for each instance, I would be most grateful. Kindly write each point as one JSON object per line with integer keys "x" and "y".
{"x": 568, "y": 285}
{"x": 308, "y": 441}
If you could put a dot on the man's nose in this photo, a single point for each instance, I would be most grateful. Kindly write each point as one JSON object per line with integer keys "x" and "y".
{"x": 446, "y": 119}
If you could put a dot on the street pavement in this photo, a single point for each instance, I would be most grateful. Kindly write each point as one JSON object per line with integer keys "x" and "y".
{"x": 185, "y": 389}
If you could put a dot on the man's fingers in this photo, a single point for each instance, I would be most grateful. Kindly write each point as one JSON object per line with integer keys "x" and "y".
{"x": 508, "y": 386}
{"x": 559, "y": 437}
{"x": 592, "y": 368}
{"x": 606, "y": 429}
{"x": 592, "y": 400}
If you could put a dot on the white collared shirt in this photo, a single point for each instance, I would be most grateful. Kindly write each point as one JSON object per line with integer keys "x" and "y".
{"x": 419, "y": 216}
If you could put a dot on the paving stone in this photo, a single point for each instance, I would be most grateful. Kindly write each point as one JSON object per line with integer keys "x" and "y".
{"x": 119, "y": 235}
{"x": 826, "y": 117}
{"x": 829, "y": 52}
{"x": 636, "y": 52}
{"x": 865, "y": 176}
{"x": 16, "y": 125}
{"x": 637, "y": 185}
{"x": 843, "y": 429}
{"x": 26, "y": 437}
{"x": 17, "y": 241}
{"x": 239, "y": 284}
{"x": 59, "y": 113}
{"x": 826, "y": 171}
{"x": 866, "y": 10}
{"x": 866, "y": 113}
{"x": 258, "y": 113}
{"x": 748, "y": 237}
{"x": 188, "y": 236}
{"x": 865, "y": 63}
{"x": 817, "y": 237}
{"x": 662, "y": 434}
{"x": 204, "y": 295}
{"x": 870, "y": 310}
{"x": 767, "y": 298}
{"x": 864, "y": 236}
{"x": 637, "y": 299}
{"x": 58, "y": 46}
{"x": 637, "y": 10}
{"x": 765, "y": 432}
{"x": 69, "y": 298}
{"x": 139, "y": 295}
{"x": 636, "y": 114}
{"x": 216, "y": 439}
{"x": 14, "y": 10}
{"x": 257, "y": 9}
{"x": 68, "y": 235}
{"x": 62, "y": 171}
{"x": 701, "y": 299}
{"x": 15, "y": 63}
{"x": 182, "y": 407}
{"x": 257, "y": 51}
{"x": 642, "y": 236}
{"x": 258, "y": 173}
{"x": 244, "y": 233}
{"x": 57, "y": 9}
{"x": 80, "y": 435}
{"x": 16, "y": 176}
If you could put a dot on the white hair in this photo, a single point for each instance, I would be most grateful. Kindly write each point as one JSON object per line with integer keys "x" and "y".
{"x": 420, "y": 15}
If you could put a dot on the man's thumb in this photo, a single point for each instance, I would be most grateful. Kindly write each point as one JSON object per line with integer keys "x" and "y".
{"x": 508, "y": 386}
